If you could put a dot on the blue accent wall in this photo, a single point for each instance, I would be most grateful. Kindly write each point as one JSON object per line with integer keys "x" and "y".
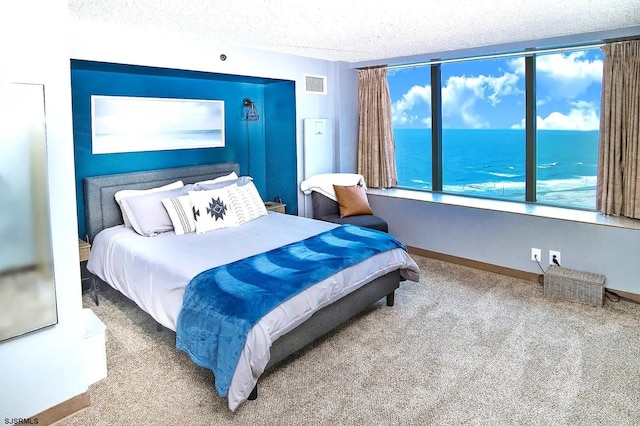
{"x": 266, "y": 143}
{"x": 280, "y": 125}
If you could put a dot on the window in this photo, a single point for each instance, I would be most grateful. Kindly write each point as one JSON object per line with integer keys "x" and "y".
{"x": 411, "y": 115}
{"x": 568, "y": 90}
{"x": 483, "y": 144}
{"x": 482, "y": 153}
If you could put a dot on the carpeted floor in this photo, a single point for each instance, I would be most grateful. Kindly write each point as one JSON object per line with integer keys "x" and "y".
{"x": 461, "y": 347}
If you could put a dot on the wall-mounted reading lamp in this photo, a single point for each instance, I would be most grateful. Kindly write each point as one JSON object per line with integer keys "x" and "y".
{"x": 250, "y": 112}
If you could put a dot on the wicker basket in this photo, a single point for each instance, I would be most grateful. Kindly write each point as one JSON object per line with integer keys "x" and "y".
{"x": 577, "y": 286}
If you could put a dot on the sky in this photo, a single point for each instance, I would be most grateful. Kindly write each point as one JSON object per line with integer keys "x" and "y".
{"x": 489, "y": 94}
{"x": 121, "y": 114}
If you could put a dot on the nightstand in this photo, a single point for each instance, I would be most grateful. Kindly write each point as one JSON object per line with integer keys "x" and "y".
{"x": 84, "y": 249}
{"x": 272, "y": 206}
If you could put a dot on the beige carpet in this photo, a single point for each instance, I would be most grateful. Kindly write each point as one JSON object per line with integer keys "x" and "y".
{"x": 460, "y": 347}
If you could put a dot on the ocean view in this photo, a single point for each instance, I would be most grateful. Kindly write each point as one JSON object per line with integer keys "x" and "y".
{"x": 491, "y": 163}
{"x": 156, "y": 140}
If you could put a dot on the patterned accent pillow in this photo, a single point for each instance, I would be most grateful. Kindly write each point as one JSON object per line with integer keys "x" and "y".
{"x": 236, "y": 204}
{"x": 252, "y": 203}
{"x": 180, "y": 211}
{"x": 212, "y": 210}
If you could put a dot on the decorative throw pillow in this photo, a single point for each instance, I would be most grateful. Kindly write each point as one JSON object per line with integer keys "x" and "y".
{"x": 146, "y": 213}
{"x": 251, "y": 202}
{"x": 352, "y": 200}
{"x": 120, "y": 195}
{"x": 212, "y": 210}
{"x": 236, "y": 204}
{"x": 180, "y": 212}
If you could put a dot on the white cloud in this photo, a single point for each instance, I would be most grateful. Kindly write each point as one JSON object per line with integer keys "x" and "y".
{"x": 517, "y": 65}
{"x": 462, "y": 96}
{"x": 581, "y": 116}
{"x": 561, "y": 66}
{"x": 568, "y": 75}
{"x": 543, "y": 101}
{"x": 402, "y": 109}
{"x": 471, "y": 101}
{"x": 573, "y": 65}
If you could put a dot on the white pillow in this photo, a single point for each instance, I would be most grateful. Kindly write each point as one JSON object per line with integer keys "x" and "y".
{"x": 133, "y": 192}
{"x": 180, "y": 212}
{"x": 230, "y": 176}
{"x": 206, "y": 185}
{"x": 212, "y": 209}
{"x": 147, "y": 214}
{"x": 251, "y": 202}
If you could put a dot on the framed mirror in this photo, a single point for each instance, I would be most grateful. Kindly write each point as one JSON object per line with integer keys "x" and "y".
{"x": 27, "y": 289}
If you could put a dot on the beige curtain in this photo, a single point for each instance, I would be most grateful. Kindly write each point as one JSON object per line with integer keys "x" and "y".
{"x": 618, "y": 189}
{"x": 376, "y": 146}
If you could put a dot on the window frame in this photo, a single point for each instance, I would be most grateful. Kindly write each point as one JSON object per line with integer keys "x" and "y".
{"x": 530, "y": 123}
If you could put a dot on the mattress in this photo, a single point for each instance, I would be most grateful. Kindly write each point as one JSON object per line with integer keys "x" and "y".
{"x": 154, "y": 271}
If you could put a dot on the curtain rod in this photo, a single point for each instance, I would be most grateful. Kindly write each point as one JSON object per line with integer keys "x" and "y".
{"x": 492, "y": 56}
{"x": 374, "y": 67}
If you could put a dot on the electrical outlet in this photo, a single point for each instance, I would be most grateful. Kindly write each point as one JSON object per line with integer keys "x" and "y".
{"x": 536, "y": 254}
{"x": 553, "y": 253}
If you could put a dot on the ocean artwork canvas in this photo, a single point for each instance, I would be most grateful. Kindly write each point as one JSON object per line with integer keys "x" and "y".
{"x": 134, "y": 124}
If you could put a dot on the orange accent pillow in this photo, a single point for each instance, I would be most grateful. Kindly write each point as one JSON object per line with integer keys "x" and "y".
{"x": 352, "y": 200}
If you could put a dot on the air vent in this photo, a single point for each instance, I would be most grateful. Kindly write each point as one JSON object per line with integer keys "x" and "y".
{"x": 315, "y": 84}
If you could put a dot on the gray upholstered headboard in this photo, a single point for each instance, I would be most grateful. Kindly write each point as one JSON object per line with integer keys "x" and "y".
{"x": 100, "y": 207}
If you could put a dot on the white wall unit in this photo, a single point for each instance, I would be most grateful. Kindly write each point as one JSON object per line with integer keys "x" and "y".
{"x": 319, "y": 153}
{"x": 318, "y": 146}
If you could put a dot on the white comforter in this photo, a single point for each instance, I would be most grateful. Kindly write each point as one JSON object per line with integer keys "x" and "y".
{"x": 154, "y": 271}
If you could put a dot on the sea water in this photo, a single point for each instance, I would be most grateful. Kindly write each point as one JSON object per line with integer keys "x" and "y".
{"x": 491, "y": 163}
{"x": 156, "y": 140}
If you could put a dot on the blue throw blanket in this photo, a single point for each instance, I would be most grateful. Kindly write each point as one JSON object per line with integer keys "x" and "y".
{"x": 222, "y": 304}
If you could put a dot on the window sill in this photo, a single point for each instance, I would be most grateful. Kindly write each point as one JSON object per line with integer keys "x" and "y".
{"x": 543, "y": 211}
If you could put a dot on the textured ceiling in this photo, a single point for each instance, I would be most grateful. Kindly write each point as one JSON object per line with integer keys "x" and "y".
{"x": 357, "y": 31}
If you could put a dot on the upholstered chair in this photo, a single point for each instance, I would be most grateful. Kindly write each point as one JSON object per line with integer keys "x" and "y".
{"x": 324, "y": 208}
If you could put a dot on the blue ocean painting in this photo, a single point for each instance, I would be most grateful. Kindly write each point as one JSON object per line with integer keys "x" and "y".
{"x": 491, "y": 163}
{"x": 129, "y": 124}
{"x": 160, "y": 140}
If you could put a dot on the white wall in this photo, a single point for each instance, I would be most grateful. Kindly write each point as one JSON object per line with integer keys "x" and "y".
{"x": 348, "y": 114}
{"x": 45, "y": 368}
{"x": 107, "y": 43}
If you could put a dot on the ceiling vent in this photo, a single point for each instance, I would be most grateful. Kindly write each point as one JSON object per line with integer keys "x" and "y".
{"x": 316, "y": 84}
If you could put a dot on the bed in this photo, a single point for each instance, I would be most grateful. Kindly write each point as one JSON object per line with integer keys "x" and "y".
{"x": 155, "y": 271}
